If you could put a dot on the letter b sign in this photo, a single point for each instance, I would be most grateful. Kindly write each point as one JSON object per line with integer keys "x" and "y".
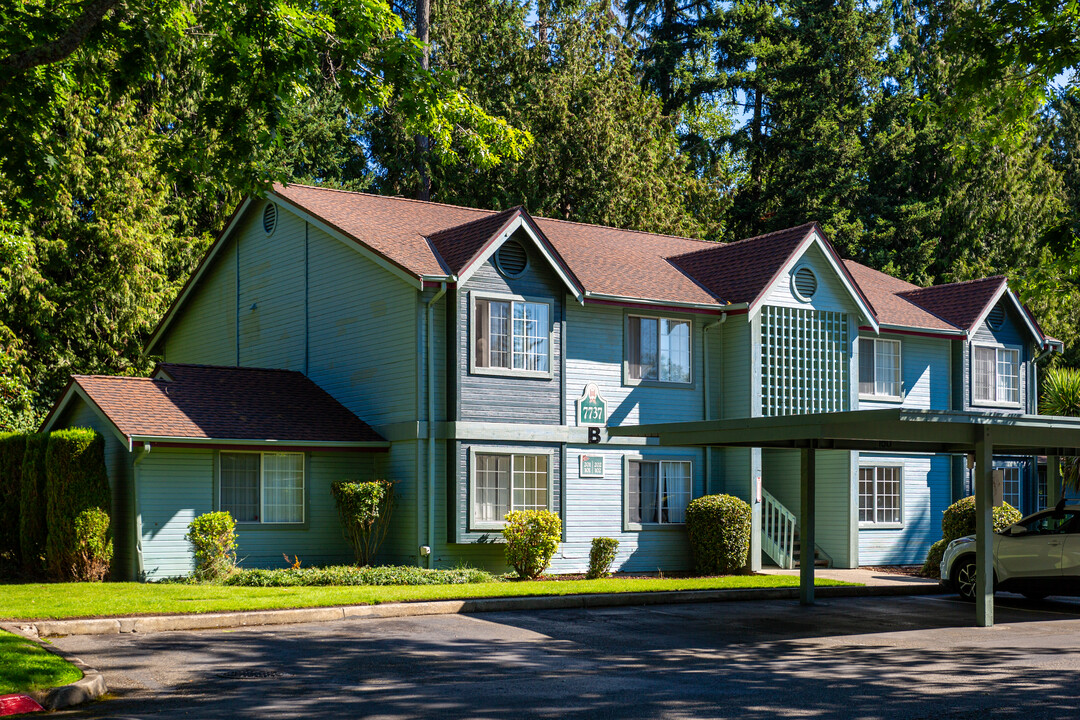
{"x": 594, "y": 436}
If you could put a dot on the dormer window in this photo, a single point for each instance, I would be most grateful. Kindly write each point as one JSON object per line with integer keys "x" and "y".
{"x": 511, "y": 335}
{"x": 995, "y": 375}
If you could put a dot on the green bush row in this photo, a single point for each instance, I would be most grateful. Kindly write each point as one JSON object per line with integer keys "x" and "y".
{"x": 352, "y": 575}
{"x": 54, "y": 504}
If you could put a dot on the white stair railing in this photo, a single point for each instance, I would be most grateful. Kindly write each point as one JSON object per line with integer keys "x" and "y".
{"x": 777, "y": 531}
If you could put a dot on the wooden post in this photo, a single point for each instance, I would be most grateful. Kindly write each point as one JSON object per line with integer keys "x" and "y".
{"x": 806, "y": 527}
{"x": 984, "y": 528}
{"x": 1053, "y": 480}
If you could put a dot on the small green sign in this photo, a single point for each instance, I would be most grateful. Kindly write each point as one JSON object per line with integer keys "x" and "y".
{"x": 591, "y": 407}
{"x": 591, "y": 466}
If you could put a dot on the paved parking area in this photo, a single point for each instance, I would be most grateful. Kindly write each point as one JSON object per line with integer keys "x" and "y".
{"x": 915, "y": 657}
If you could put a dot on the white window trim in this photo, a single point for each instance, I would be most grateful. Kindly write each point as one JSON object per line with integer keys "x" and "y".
{"x": 637, "y": 527}
{"x": 474, "y": 369}
{"x": 475, "y": 450}
{"x": 636, "y": 382}
{"x": 262, "y": 486}
{"x": 1019, "y": 375}
{"x": 900, "y": 362}
{"x": 870, "y": 524}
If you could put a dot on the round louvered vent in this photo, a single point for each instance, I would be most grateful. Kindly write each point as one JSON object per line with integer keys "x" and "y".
{"x": 805, "y": 283}
{"x": 269, "y": 218}
{"x": 996, "y": 317}
{"x": 511, "y": 258}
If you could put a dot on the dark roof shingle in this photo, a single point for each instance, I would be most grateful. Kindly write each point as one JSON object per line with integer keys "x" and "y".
{"x": 885, "y": 293}
{"x": 225, "y": 403}
{"x": 958, "y": 303}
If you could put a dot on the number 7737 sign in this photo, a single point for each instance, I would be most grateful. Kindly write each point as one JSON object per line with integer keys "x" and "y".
{"x": 591, "y": 407}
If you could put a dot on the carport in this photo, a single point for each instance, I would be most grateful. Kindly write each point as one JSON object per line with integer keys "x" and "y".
{"x": 977, "y": 435}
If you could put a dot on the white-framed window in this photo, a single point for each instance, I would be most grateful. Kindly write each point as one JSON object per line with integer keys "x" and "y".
{"x": 507, "y": 480}
{"x": 881, "y": 495}
{"x": 995, "y": 375}
{"x": 1010, "y": 488}
{"x": 879, "y": 369}
{"x": 511, "y": 336}
{"x": 657, "y": 491}
{"x": 657, "y": 350}
{"x": 262, "y": 487}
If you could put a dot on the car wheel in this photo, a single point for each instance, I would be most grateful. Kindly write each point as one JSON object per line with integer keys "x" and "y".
{"x": 1035, "y": 595}
{"x": 965, "y": 579}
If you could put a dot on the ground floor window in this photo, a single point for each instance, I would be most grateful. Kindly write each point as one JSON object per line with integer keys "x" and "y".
{"x": 262, "y": 487}
{"x": 1010, "y": 489}
{"x": 880, "y": 494}
{"x": 508, "y": 481}
{"x": 658, "y": 491}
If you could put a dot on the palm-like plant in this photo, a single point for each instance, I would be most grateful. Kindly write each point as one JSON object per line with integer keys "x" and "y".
{"x": 1061, "y": 396}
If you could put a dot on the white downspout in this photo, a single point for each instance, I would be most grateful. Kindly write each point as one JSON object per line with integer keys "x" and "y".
{"x": 705, "y": 393}
{"x": 431, "y": 424}
{"x": 137, "y": 518}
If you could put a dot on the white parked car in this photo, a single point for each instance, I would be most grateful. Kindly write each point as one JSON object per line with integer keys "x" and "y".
{"x": 1037, "y": 557}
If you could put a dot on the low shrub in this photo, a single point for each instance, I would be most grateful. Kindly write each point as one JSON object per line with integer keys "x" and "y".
{"x": 213, "y": 540}
{"x": 12, "y": 449}
{"x": 75, "y": 480}
{"x": 365, "y": 509}
{"x": 32, "y": 528}
{"x": 95, "y": 548}
{"x": 350, "y": 575}
{"x": 719, "y": 529}
{"x": 601, "y": 555}
{"x": 959, "y": 518}
{"x": 932, "y": 566}
{"x": 532, "y": 537}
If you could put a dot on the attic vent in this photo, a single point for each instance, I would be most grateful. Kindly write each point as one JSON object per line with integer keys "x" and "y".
{"x": 511, "y": 258}
{"x": 805, "y": 283}
{"x": 269, "y": 218}
{"x": 996, "y": 317}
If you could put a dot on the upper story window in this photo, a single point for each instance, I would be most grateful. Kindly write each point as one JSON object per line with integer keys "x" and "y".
{"x": 879, "y": 369}
{"x": 262, "y": 487}
{"x": 512, "y": 335}
{"x": 658, "y": 349}
{"x": 995, "y": 375}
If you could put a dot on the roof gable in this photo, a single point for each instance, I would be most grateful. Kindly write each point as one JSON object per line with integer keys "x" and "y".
{"x": 960, "y": 304}
{"x": 892, "y": 308}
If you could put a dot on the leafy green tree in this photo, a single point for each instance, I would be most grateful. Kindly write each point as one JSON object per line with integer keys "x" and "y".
{"x": 1061, "y": 396}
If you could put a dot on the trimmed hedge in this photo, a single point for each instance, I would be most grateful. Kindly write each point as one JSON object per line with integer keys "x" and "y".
{"x": 959, "y": 521}
{"x": 12, "y": 448}
{"x": 532, "y": 537}
{"x": 351, "y": 575}
{"x": 75, "y": 480}
{"x": 719, "y": 528}
{"x": 601, "y": 555}
{"x": 213, "y": 540}
{"x": 32, "y": 527}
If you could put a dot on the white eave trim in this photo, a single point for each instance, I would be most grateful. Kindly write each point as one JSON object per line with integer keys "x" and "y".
{"x": 514, "y": 225}
{"x": 884, "y": 327}
{"x": 1004, "y": 290}
{"x": 715, "y": 307}
{"x": 812, "y": 238}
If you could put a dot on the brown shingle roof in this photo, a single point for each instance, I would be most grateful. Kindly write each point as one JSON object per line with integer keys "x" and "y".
{"x": 958, "y": 303}
{"x": 225, "y": 403}
{"x": 459, "y": 244}
{"x": 884, "y": 291}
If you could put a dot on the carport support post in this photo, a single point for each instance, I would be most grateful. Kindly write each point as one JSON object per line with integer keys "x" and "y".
{"x": 1053, "y": 480}
{"x": 806, "y": 527}
{"x": 984, "y": 527}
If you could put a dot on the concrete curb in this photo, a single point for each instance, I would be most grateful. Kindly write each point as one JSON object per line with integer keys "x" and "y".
{"x": 208, "y": 621}
{"x": 90, "y": 687}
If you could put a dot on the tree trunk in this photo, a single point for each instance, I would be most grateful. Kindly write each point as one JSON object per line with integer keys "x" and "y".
{"x": 423, "y": 33}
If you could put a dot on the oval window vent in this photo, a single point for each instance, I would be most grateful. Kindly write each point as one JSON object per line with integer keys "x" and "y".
{"x": 805, "y": 283}
{"x": 269, "y": 218}
{"x": 996, "y": 317}
{"x": 511, "y": 258}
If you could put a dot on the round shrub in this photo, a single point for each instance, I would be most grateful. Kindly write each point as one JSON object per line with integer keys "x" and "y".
{"x": 932, "y": 566}
{"x": 719, "y": 528}
{"x": 213, "y": 540}
{"x": 95, "y": 550}
{"x": 532, "y": 537}
{"x": 364, "y": 509}
{"x": 32, "y": 504}
{"x": 75, "y": 480}
{"x": 601, "y": 555}
{"x": 959, "y": 518}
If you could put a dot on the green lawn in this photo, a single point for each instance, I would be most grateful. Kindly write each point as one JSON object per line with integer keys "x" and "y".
{"x": 67, "y": 600}
{"x": 25, "y": 666}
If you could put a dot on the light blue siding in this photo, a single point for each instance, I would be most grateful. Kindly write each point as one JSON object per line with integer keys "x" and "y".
{"x": 831, "y": 294}
{"x": 204, "y": 331}
{"x": 174, "y": 487}
{"x": 925, "y": 372}
{"x": 926, "y": 494}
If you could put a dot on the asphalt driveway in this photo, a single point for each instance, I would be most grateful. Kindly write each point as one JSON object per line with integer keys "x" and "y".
{"x": 890, "y": 658}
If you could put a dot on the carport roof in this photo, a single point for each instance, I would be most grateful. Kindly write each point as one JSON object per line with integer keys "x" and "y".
{"x": 891, "y": 430}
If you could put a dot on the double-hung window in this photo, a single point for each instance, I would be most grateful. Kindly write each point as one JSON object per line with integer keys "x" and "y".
{"x": 508, "y": 481}
{"x": 995, "y": 375}
{"x": 1010, "y": 488}
{"x": 881, "y": 494}
{"x": 262, "y": 487}
{"x": 513, "y": 335}
{"x": 879, "y": 369}
{"x": 657, "y": 491}
{"x": 658, "y": 349}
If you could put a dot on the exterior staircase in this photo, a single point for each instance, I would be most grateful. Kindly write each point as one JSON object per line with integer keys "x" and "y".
{"x": 780, "y": 535}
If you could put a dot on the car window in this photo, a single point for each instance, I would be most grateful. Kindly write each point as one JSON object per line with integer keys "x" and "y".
{"x": 1072, "y": 523}
{"x": 1049, "y": 524}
